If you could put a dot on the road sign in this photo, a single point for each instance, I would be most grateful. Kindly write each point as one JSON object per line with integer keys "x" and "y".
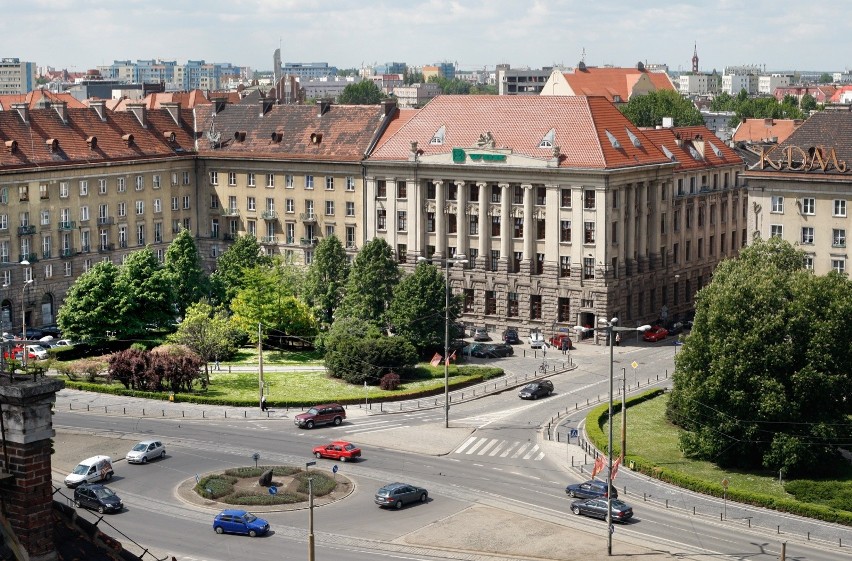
{"x": 334, "y": 469}
{"x": 309, "y": 464}
{"x": 274, "y": 490}
{"x": 634, "y": 364}
{"x": 575, "y": 433}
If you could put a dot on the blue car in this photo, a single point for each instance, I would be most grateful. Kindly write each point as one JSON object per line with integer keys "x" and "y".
{"x": 239, "y": 522}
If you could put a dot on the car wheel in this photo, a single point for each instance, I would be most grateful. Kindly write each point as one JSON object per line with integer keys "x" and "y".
{"x": 575, "y": 509}
{"x": 398, "y": 505}
{"x": 162, "y": 454}
{"x": 76, "y": 504}
{"x": 317, "y": 454}
{"x": 337, "y": 421}
{"x": 535, "y": 396}
{"x": 144, "y": 459}
{"x": 252, "y": 533}
{"x": 423, "y": 497}
{"x": 549, "y": 392}
{"x": 309, "y": 425}
{"x": 571, "y": 494}
{"x": 219, "y": 530}
{"x": 101, "y": 509}
{"x": 108, "y": 476}
{"x": 343, "y": 459}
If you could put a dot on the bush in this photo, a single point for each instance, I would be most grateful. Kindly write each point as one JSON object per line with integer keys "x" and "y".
{"x": 322, "y": 484}
{"x": 390, "y": 381}
{"x": 219, "y": 485}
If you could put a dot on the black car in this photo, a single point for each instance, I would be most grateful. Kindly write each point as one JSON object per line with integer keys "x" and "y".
{"x": 537, "y": 389}
{"x": 482, "y": 350}
{"x": 398, "y": 494}
{"x": 596, "y": 508}
{"x": 675, "y": 328}
{"x": 52, "y": 330}
{"x": 97, "y": 497}
{"x": 591, "y": 489}
{"x": 510, "y": 336}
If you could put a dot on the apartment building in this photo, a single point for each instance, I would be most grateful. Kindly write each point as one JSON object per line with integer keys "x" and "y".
{"x": 521, "y": 81}
{"x": 16, "y": 77}
{"x": 800, "y": 190}
{"x": 565, "y": 211}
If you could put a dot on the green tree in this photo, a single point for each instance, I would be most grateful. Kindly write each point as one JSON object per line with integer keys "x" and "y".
{"x": 649, "y": 109}
{"x": 91, "y": 304}
{"x": 326, "y": 278}
{"x": 808, "y": 103}
{"x": 227, "y": 279}
{"x": 417, "y": 309}
{"x": 825, "y": 78}
{"x": 145, "y": 295}
{"x": 763, "y": 380}
{"x": 412, "y": 77}
{"x": 372, "y": 279}
{"x": 208, "y": 332}
{"x": 183, "y": 267}
{"x": 454, "y": 86}
{"x": 365, "y": 92}
{"x": 357, "y": 352}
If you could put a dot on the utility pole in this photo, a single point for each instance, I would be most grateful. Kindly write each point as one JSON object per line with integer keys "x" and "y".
{"x": 260, "y": 361}
{"x": 623, "y": 415}
{"x": 311, "y": 519}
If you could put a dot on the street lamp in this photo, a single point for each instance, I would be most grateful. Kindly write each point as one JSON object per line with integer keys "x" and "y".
{"x": 611, "y": 329}
{"x": 461, "y": 258}
{"x": 24, "y": 349}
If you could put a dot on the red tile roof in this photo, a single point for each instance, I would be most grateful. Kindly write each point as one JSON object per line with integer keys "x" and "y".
{"x": 763, "y": 130}
{"x": 684, "y": 143}
{"x": 155, "y": 100}
{"x": 610, "y": 82}
{"x": 519, "y": 123}
{"x": 36, "y": 97}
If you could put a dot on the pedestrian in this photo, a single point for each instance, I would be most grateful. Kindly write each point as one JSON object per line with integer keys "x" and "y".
{"x": 263, "y": 403}
{"x": 544, "y": 350}
{"x": 216, "y": 365}
{"x": 564, "y": 346}
{"x": 618, "y": 339}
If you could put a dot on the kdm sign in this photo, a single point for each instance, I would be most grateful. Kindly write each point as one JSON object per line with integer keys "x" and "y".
{"x": 794, "y": 158}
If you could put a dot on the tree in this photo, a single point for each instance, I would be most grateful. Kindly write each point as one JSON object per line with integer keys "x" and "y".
{"x": 412, "y": 77}
{"x": 365, "y": 92}
{"x": 649, "y": 109}
{"x": 326, "y": 277}
{"x": 227, "y": 280}
{"x": 808, "y": 103}
{"x": 91, "y": 304}
{"x": 825, "y": 78}
{"x": 183, "y": 267}
{"x": 356, "y": 351}
{"x": 372, "y": 279}
{"x": 208, "y": 332}
{"x": 762, "y": 380}
{"x": 454, "y": 86}
{"x": 417, "y": 309}
{"x": 145, "y": 295}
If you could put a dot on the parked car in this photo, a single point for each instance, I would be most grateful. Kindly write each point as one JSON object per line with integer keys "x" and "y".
{"x": 34, "y": 334}
{"x": 146, "y": 450}
{"x": 97, "y": 497}
{"x": 481, "y": 334}
{"x": 557, "y": 340}
{"x": 91, "y": 470}
{"x": 591, "y": 489}
{"x": 537, "y": 389}
{"x": 330, "y": 413}
{"x": 498, "y": 350}
{"x": 510, "y": 336}
{"x": 398, "y": 494}
{"x": 338, "y": 450}
{"x": 17, "y": 353}
{"x": 63, "y": 343}
{"x": 656, "y": 333}
{"x": 596, "y": 508}
{"x": 52, "y": 330}
{"x": 37, "y": 351}
{"x": 537, "y": 340}
{"x": 233, "y": 521}
{"x": 675, "y": 328}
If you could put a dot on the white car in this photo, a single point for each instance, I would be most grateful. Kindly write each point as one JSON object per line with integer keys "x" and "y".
{"x": 537, "y": 340}
{"x": 63, "y": 343}
{"x": 37, "y": 350}
{"x": 146, "y": 450}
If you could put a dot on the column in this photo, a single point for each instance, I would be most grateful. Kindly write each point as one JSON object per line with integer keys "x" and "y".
{"x": 413, "y": 205}
{"x": 505, "y": 227}
{"x": 390, "y": 208}
{"x": 484, "y": 229}
{"x": 369, "y": 209}
{"x": 641, "y": 225}
{"x": 551, "y": 234}
{"x": 529, "y": 228}
{"x": 440, "y": 219}
{"x": 462, "y": 241}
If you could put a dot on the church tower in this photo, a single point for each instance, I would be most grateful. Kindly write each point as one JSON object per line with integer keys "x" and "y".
{"x": 695, "y": 60}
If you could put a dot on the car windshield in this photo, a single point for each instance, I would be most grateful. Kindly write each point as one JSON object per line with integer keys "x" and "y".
{"x": 249, "y": 518}
{"x": 619, "y": 504}
{"x": 104, "y": 493}
{"x": 81, "y": 469}
{"x": 312, "y": 411}
{"x": 531, "y": 387}
{"x": 141, "y": 447}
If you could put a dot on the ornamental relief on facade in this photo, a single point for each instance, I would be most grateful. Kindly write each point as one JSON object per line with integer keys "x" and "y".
{"x": 539, "y": 214}
{"x": 429, "y": 206}
{"x": 494, "y": 210}
{"x": 471, "y": 209}
{"x": 450, "y": 208}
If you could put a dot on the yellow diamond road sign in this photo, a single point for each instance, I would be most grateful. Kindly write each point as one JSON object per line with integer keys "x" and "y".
{"x": 634, "y": 364}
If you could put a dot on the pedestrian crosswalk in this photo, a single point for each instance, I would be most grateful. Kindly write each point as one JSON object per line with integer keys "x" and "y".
{"x": 497, "y": 448}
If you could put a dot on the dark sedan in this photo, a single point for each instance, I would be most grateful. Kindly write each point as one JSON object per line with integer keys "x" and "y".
{"x": 398, "y": 494}
{"x": 591, "y": 489}
{"x": 596, "y": 508}
{"x": 484, "y": 350}
{"x": 535, "y": 390}
{"x": 510, "y": 336}
{"x": 97, "y": 497}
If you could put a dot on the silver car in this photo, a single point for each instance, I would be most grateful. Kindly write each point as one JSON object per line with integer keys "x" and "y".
{"x": 146, "y": 450}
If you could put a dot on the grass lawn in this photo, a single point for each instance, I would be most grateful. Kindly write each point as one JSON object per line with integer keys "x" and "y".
{"x": 249, "y": 356}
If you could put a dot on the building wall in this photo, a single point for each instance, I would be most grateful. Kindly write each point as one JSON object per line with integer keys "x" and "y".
{"x": 16, "y": 77}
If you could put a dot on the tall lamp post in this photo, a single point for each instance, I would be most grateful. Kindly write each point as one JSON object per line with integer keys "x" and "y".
{"x": 610, "y": 328}
{"x": 24, "y": 349}
{"x": 461, "y": 258}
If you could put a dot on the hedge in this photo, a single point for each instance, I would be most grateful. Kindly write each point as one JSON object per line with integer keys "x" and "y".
{"x": 598, "y": 418}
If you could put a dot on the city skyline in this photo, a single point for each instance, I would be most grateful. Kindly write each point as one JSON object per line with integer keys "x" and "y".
{"x": 474, "y": 34}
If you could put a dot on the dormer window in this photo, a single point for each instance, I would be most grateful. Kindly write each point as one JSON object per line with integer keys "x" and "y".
{"x": 438, "y": 137}
{"x": 612, "y": 139}
{"x": 669, "y": 154}
{"x": 547, "y": 141}
{"x": 634, "y": 139}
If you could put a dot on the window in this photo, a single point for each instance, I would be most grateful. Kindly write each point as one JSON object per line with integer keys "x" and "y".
{"x": 777, "y": 204}
{"x": 121, "y": 184}
{"x": 495, "y": 193}
{"x": 589, "y": 232}
{"x": 350, "y": 237}
{"x": 518, "y": 195}
{"x": 251, "y": 204}
{"x": 140, "y": 208}
{"x": 539, "y": 263}
{"x": 809, "y": 262}
{"x": 515, "y": 265}
{"x": 381, "y": 189}
{"x": 677, "y": 221}
{"x": 381, "y": 219}
{"x": 232, "y": 178}
{"x": 430, "y": 191}
{"x": 140, "y": 234}
{"x": 473, "y": 194}
{"x": 329, "y": 230}
{"x": 214, "y": 178}
{"x": 250, "y": 180}
{"x": 329, "y": 183}
{"x": 350, "y": 208}
{"x": 615, "y": 199}
{"x": 589, "y": 199}
{"x": 700, "y": 245}
{"x": 540, "y": 229}
{"x": 329, "y": 208}
{"x": 158, "y": 205}
{"x": 140, "y": 182}
{"x": 838, "y": 237}
{"x": 615, "y": 233}
{"x": 175, "y": 205}
{"x": 495, "y": 259}
{"x": 687, "y": 250}
{"x": 350, "y": 183}
{"x": 689, "y": 213}
{"x": 540, "y": 196}
{"x": 807, "y": 236}
{"x": 402, "y": 253}
{"x": 839, "y": 207}
{"x": 401, "y": 221}
{"x": 45, "y": 217}
{"x": 122, "y": 209}
{"x": 63, "y": 192}
{"x": 535, "y": 306}
{"x": 186, "y": 178}
{"x": 495, "y": 226}
{"x": 676, "y": 253}
{"x": 838, "y": 265}
{"x": 588, "y": 267}
{"x": 270, "y": 180}
{"x": 288, "y": 181}
{"x": 270, "y": 204}
{"x": 809, "y": 205}
{"x": 564, "y": 230}
{"x": 309, "y": 182}
{"x": 289, "y": 206}
{"x": 490, "y": 302}
{"x": 518, "y": 229}
{"x": 565, "y": 198}
{"x": 564, "y": 265}
{"x": 84, "y": 213}
{"x": 776, "y": 230}
{"x": 700, "y": 216}
{"x": 186, "y": 202}
{"x": 512, "y": 308}
{"x": 155, "y": 181}
{"x": 401, "y": 190}
{"x": 473, "y": 225}
{"x": 102, "y": 187}
{"x": 84, "y": 188}
{"x": 662, "y": 223}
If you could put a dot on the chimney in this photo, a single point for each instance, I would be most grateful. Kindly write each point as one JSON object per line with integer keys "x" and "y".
{"x": 28, "y": 489}
{"x": 388, "y": 106}
{"x": 61, "y": 108}
{"x": 323, "y": 105}
{"x": 266, "y": 105}
{"x": 698, "y": 143}
{"x": 23, "y": 110}
{"x": 12, "y": 146}
{"x": 139, "y": 109}
{"x": 99, "y": 105}
{"x": 173, "y": 108}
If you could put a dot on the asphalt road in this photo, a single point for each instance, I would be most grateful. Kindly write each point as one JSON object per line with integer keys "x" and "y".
{"x": 497, "y": 489}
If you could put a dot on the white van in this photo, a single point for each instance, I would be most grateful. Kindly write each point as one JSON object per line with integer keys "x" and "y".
{"x": 96, "y": 468}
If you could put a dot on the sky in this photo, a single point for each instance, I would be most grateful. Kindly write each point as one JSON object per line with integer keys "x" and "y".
{"x": 476, "y": 34}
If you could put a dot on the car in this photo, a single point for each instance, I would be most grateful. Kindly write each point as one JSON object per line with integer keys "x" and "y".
{"x": 327, "y": 414}
{"x": 656, "y": 333}
{"x": 232, "y": 521}
{"x": 146, "y": 450}
{"x": 63, "y": 343}
{"x": 8, "y": 337}
{"x": 481, "y": 334}
{"x": 90, "y": 470}
{"x": 537, "y": 389}
{"x": 37, "y": 351}
{"x": 591, "y": 489}
{"x": 33, "y": 334}
{"x": 18, "y": 353}
{"x": 52, "y": 330}
{"x": 597, "y": 508}
{"x": 557, "y": 340}
{"x": 537, "y": 340}
{"x": 399, "y": 494}
{"x": 338, "y": 450}
{"x": 510, "y": 336}
{"x": 498, "y": 350}
{"x": 675, "y": 328}
{"x": 97, "y": 497}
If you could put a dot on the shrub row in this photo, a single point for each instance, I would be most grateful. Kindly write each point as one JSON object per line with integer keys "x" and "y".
{"x": 221, "y": 486}
{"x": 598, "y": 418}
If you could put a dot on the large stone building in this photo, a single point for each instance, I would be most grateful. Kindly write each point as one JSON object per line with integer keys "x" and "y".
{"x": 618, "y": 85}
{"x": 16, "y": 77}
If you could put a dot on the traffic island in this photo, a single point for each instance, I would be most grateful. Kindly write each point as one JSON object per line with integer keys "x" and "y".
{"x": 264, "y": 488}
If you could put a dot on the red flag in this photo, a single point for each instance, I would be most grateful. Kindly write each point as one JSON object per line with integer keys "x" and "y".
{"x": 598, "y": 467}
{"x": 615, "y": 467}
{"x": 436, "y": 360}
{"x": 451, "y": 358}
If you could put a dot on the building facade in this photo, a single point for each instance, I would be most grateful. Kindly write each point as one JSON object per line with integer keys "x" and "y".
{"x": 521, "y": 81}
{"x": 16, "y": 77}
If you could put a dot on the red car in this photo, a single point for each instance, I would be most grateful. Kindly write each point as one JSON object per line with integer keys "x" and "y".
{"x": 338, "y": 450}
{"x": 556, "y": 341}
{"x": 656, "y": 333}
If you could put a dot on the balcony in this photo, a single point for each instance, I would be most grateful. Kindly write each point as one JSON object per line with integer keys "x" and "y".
{"x": 269, "y": 215}
{"x": 308, "y": 241}
{"x": 230, "y": 212}
{"x": 67, "y": 253}
{"x": 228, "y": 237}
{"x": 85, "y": 249}
{"x": 106, "y": 221}
{"x": 26, "y": 230}
{"x": 269, "y": 240}
{"x": 308, "y": 217}
{"x": 105, "y": 248}
{"x": 351, "y": 246}
{"x": 67, "y": 225}
{"x": 122, "y": 244}
{"x": 214, "y": 235}
{"x": 31, "y": 257}
{"x": 290, "y": 240}
{"x": 46, "y": 254}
